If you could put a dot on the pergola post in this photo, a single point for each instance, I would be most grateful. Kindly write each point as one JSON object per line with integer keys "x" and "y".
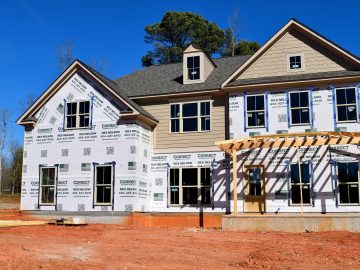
{"x": 234, "y": 181}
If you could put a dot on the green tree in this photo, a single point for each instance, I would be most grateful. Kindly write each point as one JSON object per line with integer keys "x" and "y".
{"x": 175, "y": 32}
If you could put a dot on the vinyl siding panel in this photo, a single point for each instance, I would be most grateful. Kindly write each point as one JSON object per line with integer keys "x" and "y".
{"x": 163, "y": 139}
{"x": 208, "y": 67}
{"x": 274, "y": 62}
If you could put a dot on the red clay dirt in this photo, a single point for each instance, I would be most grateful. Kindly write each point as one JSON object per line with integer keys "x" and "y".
{"x": 129, "y": 247}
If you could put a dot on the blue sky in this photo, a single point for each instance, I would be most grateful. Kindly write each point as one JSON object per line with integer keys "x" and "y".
{"x": 30, "y": 32}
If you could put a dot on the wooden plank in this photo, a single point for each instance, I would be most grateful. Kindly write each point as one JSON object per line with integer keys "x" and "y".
{"x": 290, "y": 140}
{"x": 16, "y": 223}
{"x": 234, "y": 157}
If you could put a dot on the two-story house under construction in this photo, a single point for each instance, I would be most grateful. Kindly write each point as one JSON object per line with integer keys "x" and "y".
{"x": 170, "y": 140}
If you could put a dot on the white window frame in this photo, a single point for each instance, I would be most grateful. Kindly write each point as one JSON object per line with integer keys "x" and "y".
{"x": 199, "y": 116}
{"x": 255, "y": 111}
{"x": 299, "y": 108}
{"x": 111, "y": 185}
{"x": 77, "y": 115}
{"x": 41, "y": 185}
{"x": 198, "y": 186}
{"x": 302, "y": 184}
{"x": 302, "y": 61}
{"x": 347, "y": 183}
{"x": 349, "y": 104}
{"x": 187, "y": 69}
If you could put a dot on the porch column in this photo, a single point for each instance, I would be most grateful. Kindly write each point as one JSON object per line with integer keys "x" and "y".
{"x": 234, "y": 181}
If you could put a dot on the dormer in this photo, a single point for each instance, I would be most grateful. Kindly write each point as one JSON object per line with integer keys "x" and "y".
{"x": 197, "y": 66}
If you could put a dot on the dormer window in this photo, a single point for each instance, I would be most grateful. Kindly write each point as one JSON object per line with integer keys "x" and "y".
{"x": 193, "y": 66}
{"x": 295, "y": 62}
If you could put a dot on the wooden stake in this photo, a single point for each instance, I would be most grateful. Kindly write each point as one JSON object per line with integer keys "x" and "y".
{"x": 234, "y": 181}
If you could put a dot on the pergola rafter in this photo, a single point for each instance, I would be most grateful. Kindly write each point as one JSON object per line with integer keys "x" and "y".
{"x": 290, "y": 140}
{"x": 301, "y": 139}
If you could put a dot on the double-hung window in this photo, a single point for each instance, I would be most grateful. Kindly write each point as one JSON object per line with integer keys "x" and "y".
{"x": 299, "y": 108}
{"x": 348, "y": 182}
{"x": 190, "y": 117}
{"x": 255, "y": 111}
{"x": 346, "y": 106}
{"x": 190, "y": 186}
{"x": 77, "y": 114}
{"x": 303, "y": 186}
{"x": 103, "y": 184}
{"x": 193, "y": 67}
{"x": 47, "y": 185}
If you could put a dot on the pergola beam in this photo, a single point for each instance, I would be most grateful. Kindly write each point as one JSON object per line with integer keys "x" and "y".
{"x": 290, "y": 140}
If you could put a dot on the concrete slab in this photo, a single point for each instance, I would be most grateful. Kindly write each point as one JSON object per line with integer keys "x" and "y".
{"x": 292, "y": 222}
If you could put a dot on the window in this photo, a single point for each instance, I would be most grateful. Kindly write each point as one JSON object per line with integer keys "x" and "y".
{"x": 47, "y": 185}
{"x": 346, "y": 105}
{"x": 190, "y": 117}
{"x": 255, "y": 181}
{"x": 304, "y": 187}
{"x": 299, "y": 108}
{"x": 255, "y": 111}
{"x": 295, "y": 62}
{"x": 103, "y": 184}
{"x": 190, "y": 186}
{"x": 193, "y": 66}
{"x": 78, "y": 114}
{"x": 348, "y": 183}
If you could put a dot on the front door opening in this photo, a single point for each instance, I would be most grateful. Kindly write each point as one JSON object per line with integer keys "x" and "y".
{"x": 254, "y": 192}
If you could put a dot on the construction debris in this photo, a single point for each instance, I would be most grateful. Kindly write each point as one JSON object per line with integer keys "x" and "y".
{"x": 74, "y": 221}
{"x": 16, "y": 223}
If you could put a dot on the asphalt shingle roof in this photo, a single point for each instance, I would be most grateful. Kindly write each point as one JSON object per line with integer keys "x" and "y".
{"x": 116, "y": 88}
{"x": 168, "y": 79}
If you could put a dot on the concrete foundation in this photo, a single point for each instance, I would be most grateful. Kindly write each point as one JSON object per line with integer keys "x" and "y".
{"x": 205, "y": 220}
{"x": 292, "y": 222}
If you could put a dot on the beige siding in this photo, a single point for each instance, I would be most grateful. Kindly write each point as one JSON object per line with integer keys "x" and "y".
{"x": 274, "y": 61}
{"x": 208, "y": 67}
{"x": 163, "y": 139}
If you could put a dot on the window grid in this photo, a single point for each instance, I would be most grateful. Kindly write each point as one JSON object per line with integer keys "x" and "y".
{"x": 104, "y": 186}
{"x": 203, "y": 120}
{"x": 345, "y": 185}
{"x": 305, "y": 185}
{"x": 176, "y": 187}
{"x": 299, "y": 109}
{"x": 257, "y": 111}
{"x": 346, "y": 104}
{"x": 47, "y": 186}
{"x": 77, "y": 114}
{"x": 295, "y": 62}
{"x": 193, "y": 66}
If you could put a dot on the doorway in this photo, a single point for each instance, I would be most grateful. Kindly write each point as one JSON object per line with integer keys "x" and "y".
{"x": 254, "y": 192}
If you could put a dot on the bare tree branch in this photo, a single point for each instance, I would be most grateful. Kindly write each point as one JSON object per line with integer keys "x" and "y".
{"x": 99, "y": 64}
{"x": 64, "y": 54}
{"x": 5, "y": 125}
{"x": 234, "y": 26}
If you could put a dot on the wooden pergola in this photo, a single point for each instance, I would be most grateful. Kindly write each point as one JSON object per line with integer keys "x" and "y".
{"x": 302, "y": 139}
